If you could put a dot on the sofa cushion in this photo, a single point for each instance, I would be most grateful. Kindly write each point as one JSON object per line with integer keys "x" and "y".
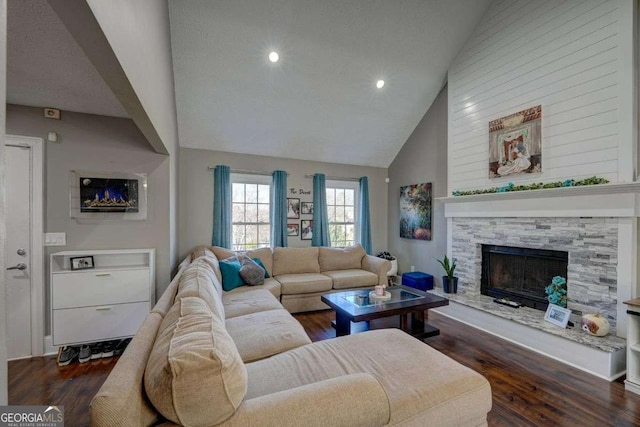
{"x": 203, "y": 266}
{"x": 265, "y": 256}
{"x": 344, "y": 279}
{"x": 304, "y": 283}
{"x": 447, "y": 393}
{"x": 271, "y": 285}
{"x": 194, "y": 375}
{"x": 252, "y": 273}
{"x": 201, "y": 251}
{"x": 295, "y": 260}
{"x": 222, "y": 253}
{"x": 341, "y": 258}
{"x": 199, "y": 282}
{"x": 263, "y": 334}
{"x": 252, "y": 301}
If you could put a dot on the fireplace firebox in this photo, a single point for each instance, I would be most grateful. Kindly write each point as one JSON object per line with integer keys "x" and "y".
{"x": 521, "y": 274}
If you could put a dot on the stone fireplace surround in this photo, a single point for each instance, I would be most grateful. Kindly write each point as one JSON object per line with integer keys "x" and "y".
{"x": 596, "y": 225}
{"x": 592, "y": 244}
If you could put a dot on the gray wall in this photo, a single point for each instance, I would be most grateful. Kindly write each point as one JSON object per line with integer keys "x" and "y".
{"x": 102, "y": 144}
{"x": 423, "y": 158}
{"x": 138, "y": 32}
{"x": 3, "y": 323}
{"x": 196, "y": 191}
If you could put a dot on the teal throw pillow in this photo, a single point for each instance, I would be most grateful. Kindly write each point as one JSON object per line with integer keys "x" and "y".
{"x": 230, "y": 269}
{"x": 266, "y": 273}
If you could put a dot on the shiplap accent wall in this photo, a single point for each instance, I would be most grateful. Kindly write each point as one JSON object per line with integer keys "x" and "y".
{"x": 576, "y": 58}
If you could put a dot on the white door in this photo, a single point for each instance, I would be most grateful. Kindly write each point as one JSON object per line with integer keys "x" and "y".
{"x": 18, "y": 250}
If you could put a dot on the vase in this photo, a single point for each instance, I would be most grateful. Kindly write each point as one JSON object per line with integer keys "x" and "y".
{"x": 394, "y": 268}
{"x": 450, "y": 285}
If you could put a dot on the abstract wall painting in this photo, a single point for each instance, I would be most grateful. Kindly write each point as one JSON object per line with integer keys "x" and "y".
{"x": 415, "y": 211}
{"x": 515, "y": 143}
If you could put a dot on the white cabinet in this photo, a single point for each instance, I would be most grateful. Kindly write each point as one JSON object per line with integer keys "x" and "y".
{"x": 632, "y": 383}
{"x": 109, "y": 301}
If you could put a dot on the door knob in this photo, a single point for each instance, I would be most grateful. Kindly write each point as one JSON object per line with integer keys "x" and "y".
{"x": 21, "y": 252}
{"x": 21, "y": 266}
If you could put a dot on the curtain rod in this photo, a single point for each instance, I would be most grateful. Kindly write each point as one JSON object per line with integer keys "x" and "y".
{"x": 334, "y": 178}
{"x": 246, "y": 171}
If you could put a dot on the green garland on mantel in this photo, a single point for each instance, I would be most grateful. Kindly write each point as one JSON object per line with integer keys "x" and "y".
{"x": 535, "y": 186}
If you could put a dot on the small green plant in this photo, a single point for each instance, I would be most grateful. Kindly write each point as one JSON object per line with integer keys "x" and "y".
{"x": 449, "y": 267}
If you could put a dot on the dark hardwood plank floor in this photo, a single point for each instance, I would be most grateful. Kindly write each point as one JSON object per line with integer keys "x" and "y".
{"x": 528, "y": 389}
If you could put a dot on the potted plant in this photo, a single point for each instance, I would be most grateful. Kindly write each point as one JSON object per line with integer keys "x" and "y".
{"x": 394, "y": 262}
{"x": 449, "y": 282}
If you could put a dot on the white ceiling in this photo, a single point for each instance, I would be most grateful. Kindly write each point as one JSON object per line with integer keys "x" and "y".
{"x": 47, "y": 68}
{"x": 319, "y": 102}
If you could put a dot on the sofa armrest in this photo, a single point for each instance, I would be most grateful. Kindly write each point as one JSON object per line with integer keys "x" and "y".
{"x": 378, "y": 266}
{"x": 349, "y": 401}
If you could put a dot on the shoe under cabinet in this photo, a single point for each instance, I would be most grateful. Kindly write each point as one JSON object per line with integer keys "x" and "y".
{"x": 100, "y": 295}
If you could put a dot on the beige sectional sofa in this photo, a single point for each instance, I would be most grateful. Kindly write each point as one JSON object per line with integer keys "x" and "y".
{"x": 205, "y": 357}
{"x": 300, "y": 276}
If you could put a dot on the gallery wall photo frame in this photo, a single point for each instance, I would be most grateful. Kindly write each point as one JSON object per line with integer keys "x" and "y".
{"x": 306, "y": 208}
{"x": 293, "y": 230}
{"x": 557, "y": 315}
{"x": 107, "y": 196}
{"x": 293, "y": 208}
{"x": 306, "y": 229}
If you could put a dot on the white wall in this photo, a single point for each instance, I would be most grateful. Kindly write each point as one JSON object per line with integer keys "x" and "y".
{"x": 576, "y": 58}
{"x": 102, "y": 144}
{"x": 3, "y": 323}
{"x": 196, "y": 191}
{"x": 423, "y": 158}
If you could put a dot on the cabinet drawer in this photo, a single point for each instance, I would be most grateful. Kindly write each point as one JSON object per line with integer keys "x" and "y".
{"x": 99, "y": 287}
{"x": 90, "y": 324}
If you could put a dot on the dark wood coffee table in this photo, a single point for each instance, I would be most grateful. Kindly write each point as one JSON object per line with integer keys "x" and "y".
{"x": 355, "y": 306}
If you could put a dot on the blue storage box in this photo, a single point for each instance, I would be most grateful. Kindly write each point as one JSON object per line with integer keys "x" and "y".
{"x": 418, "y": 280}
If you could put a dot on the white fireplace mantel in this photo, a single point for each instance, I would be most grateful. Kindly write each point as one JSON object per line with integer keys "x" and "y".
{"x": 603, "y": 200}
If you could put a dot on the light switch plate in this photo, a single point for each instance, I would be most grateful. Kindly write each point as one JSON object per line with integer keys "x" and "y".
{"x": 55, "y": 239}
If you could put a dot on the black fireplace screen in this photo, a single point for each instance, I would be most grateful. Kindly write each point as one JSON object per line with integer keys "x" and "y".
{"x": 521, "y": 274}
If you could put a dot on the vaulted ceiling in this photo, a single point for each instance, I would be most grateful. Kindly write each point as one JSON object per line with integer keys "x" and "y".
{"x": 319, "y": 102}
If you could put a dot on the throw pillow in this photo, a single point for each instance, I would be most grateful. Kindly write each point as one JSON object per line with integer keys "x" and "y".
{"x": 230, "y": 269}
{"x": 259, "y": 262}
{"x": 194, "y": 375}
{"x": 251, "y": 272}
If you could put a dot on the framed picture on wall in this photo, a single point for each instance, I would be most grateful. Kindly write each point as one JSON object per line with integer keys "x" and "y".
{"x": 306, "y": 208}
{"x": 293, "y": 208}
{"x": 81, "y": 262}
{"x": 293, "y": 230}
{"x": 306, "y": 227}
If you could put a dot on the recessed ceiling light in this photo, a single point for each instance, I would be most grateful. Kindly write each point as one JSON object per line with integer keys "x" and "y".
{"x": 274, "y": 57}
{"x": 380, "y": 84}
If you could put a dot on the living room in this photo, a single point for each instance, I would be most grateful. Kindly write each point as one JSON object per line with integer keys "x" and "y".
{"x": 389, "y": 104}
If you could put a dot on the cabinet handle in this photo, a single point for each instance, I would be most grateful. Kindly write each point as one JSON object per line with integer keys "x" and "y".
{"x": 103, "y": 274}
{"x": 103, "y": 308}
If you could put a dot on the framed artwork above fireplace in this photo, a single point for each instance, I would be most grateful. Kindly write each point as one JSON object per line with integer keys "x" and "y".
{"x": 107, "y": 195}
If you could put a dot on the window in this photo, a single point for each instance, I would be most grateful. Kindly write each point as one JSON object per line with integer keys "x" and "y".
{"x": 341, "y": 209}
{"x": 250, "y": 212}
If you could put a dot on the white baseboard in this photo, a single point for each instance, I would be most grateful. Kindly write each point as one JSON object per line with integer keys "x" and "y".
{"x": 49, "y": 348}
{"x": 608, "y": 366}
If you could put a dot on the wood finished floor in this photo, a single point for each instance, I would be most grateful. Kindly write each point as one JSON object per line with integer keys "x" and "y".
{"x": 528, "y": 389}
